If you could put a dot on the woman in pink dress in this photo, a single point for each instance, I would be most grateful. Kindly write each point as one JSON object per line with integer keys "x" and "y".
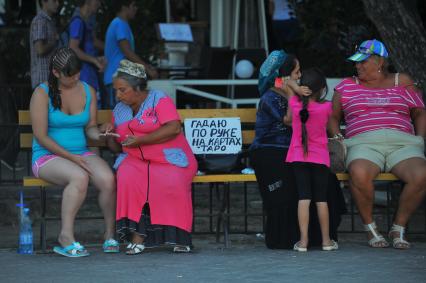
{"x": 155, "y": 167}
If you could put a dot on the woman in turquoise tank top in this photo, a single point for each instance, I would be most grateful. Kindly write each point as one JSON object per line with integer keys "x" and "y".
{"x": 63, "y": 113}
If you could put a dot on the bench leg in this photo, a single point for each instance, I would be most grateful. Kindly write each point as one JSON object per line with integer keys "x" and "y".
{"x": 388, "y": 204}
{"x": 43, "y": 219}
{"x": 226, "y": 240}
{"x": 222, "y": 217}
{"x": 219, "y": 216}
{"x": 352, "y": 213}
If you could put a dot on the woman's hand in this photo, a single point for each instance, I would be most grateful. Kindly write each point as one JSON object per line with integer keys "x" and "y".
{"x": 131, "y": 141}
{"x": 100, "y": 63}
{"x": 107, "y": 129}
{"x": 152, "y": 72}
{"x": 303, "y": 91}
{"x": 81, "y": 161}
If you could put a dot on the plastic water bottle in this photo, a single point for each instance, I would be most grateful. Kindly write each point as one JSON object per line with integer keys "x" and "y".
{"x": 25, "y": 233}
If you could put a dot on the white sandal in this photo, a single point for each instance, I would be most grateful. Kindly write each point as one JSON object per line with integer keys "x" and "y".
{"x": 134, "y": 249}
{"x": 182, "y": 249}
{"x": 398, "y": 242}
{"x": 333, "y": 247}
{"x": 298, "y": 248}
{"x": 377, "y": 238}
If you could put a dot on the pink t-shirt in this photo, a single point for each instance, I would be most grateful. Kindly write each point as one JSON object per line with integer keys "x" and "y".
{"x": 316, "y": 127}
{"x": 368, "y": 109}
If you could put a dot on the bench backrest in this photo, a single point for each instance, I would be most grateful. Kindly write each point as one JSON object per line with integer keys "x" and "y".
{"x": 247, "y": 116}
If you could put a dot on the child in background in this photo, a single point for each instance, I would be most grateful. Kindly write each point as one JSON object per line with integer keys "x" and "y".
{"x": 309, "y": 156}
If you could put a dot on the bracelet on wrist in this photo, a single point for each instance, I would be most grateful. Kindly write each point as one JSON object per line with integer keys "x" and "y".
{"x": 337, "y": 136}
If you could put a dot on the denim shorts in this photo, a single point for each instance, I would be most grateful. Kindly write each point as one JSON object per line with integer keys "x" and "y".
{"x": 384, "y": 147}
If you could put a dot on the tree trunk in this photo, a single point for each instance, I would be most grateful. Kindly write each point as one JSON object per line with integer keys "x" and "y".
{"x": 404, "y": 35}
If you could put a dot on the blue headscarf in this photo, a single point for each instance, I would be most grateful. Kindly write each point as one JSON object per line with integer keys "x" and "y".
{"x": 269, "y": 70}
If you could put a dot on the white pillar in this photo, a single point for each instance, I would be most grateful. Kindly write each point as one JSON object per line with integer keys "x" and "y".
{"x": 168, "y": 11}
{"x": 220, "y": 22}
{"x": 262, "y": 26}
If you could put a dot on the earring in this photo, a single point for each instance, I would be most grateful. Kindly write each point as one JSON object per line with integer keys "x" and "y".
{"x": 379, "y": 70}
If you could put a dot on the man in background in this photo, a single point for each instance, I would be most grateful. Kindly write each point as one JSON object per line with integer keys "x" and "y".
{"x": 120, "y": 44}
{"x": 43, "y": 41}
{"x": 285, "y": 24}
{"x": 83, "y": 40}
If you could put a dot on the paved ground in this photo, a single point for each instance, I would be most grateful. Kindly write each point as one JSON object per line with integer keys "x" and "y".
{"x": 246, "y": 261}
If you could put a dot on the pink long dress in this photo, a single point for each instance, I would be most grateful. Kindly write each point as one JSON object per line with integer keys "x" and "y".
{"x": 160, "y": 174}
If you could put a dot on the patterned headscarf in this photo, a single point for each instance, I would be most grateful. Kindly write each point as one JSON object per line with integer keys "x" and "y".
{"x": 270, "y": 70}
{"x": 133, "y": 69}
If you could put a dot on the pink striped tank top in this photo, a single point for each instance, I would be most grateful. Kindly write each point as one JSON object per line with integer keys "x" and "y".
{"x": 368, "y": 109}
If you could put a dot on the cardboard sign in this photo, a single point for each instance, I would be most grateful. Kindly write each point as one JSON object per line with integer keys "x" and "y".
{"x": 214, "y": 135}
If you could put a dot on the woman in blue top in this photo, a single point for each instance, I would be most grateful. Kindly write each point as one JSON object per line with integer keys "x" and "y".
{"x": 268, "y": 153}
{"x": 63, "y": 113}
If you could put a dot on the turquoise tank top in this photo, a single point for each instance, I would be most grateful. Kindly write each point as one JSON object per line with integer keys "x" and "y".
{"x": 66, "y": 130}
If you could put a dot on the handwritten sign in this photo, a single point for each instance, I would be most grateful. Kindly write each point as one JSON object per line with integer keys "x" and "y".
{"x": 214, "y": 135}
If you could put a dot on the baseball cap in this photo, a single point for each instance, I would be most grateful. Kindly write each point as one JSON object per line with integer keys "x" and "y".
{"x": 368, "y": 48}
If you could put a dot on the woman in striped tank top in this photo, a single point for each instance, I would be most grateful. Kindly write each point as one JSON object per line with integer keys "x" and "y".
{"x": 385, "y": 129}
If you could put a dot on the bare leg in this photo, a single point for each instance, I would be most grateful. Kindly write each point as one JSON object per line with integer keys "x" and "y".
{"x": 137, "y": 239}
{"x": 103, "y": 179}
{"x": 413, "y": 172}
{"x": 362, "y": 173}
{"x": 303, "y": 217}
{"x": 322, "y": 209}
{"x": 136, "y": 246}
{"x": 63, "y": 172}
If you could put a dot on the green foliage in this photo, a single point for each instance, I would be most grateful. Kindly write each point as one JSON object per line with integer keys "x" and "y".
{"x": 331, "y": 30}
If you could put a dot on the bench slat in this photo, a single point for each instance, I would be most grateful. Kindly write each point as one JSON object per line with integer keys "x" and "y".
{"x": 218, "y": 178}
{"x": 26, "y": 139}
{"x": 380, "y": 177}
{"x": 246, "y": 115}
{"x": 24, "y": 117}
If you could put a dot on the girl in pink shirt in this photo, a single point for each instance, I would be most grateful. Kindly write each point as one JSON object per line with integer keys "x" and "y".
{"x": 309, "y": 156}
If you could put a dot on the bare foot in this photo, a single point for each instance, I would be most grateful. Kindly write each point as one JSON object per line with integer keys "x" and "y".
{"x": 65, "y": 240}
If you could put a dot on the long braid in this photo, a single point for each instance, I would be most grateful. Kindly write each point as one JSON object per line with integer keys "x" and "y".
{"x": 63, "y": 61}
{"x": 304, "y": 116}
{"x": 54, "y": 91}
{"x": 316, "y": 81}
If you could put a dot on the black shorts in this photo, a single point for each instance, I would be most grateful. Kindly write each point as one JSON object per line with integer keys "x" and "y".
{"x": 311, "y": 180}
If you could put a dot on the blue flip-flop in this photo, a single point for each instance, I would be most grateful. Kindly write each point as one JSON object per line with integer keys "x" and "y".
{"x": 111, "y": 246}
{"x": 73, "y": 250}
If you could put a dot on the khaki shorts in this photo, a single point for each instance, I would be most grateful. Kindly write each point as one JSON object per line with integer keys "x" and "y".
{"x": 385, "y": 148}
